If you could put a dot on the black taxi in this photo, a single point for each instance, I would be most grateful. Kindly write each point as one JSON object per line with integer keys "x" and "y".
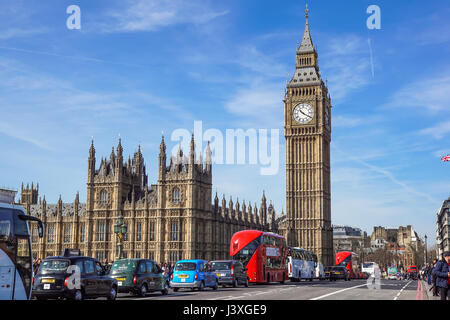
{"x": 73, "y": 276}
{"x": 139, "y": 276}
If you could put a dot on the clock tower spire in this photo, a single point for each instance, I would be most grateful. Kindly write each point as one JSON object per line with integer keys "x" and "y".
{"x": 307, "y": 130}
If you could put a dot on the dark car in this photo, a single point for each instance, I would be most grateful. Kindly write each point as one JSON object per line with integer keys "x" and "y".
{"x": 336, "y": 272}
{"x": 139, "y": 276}
{"x": 73, "y": 277}
{"x": 230, "y": 272}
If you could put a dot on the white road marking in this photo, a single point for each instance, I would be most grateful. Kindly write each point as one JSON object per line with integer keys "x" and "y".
{"x": 401, "y": 290}
{"x": 218, "y": 298}
{"x": 232, "y": 298}
{"x": 336, "y": 292}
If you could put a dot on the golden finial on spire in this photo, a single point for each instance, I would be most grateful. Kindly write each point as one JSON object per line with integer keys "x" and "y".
{"x": 306, "y": 11}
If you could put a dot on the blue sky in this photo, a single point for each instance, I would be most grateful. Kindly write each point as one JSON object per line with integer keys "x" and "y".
{"x": 140, "y": 67}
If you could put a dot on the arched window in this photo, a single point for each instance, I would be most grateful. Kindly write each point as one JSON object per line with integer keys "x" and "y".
{"x": 104, "y": 196}
{"x": 176, "y": 195}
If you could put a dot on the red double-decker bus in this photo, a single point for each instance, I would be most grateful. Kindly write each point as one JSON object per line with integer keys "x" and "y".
{"x": 262, "y": 253}
{"x": 350, "y": 261}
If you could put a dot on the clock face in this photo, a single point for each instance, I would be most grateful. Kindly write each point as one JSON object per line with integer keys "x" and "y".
{"x": 303, "y": 113}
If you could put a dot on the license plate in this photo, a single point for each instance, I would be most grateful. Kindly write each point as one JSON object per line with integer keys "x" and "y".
{"x": 119, "y": 283}
{"x": 47, "y": 286}
{"x": 183, "y": 276}
{"x": 120, "y": 279}
{"x": 48, "y": 280}
{"x": 183, "y": 280}
{"x": 337, "y": 273}
{"x": 219, "y": 274}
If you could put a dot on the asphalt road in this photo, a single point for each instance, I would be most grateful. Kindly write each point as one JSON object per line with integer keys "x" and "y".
{"x": 305, "y": 290}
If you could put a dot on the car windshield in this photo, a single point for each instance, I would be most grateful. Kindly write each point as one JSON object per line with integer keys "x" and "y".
{"x": 368, "y": 265}
{"x": 185, "y": 266}
{"x": 220, "y": 265}
{"x": 54, "y": 266}
{"x": 123, "y": 266}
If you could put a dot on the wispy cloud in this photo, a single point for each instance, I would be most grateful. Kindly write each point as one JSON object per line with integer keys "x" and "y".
{"x": 152, "y": 15}
{"x": 17, "y": 132}
{"x": 13, "y": 33}
{"x": 346, "y": 121}
{"x": 346, "y": 64}
{"x": 438, "y": 131}
{"x": 430, "y": 93}
{"x": 259, "y": 103}
{"x": 387, "y": 174}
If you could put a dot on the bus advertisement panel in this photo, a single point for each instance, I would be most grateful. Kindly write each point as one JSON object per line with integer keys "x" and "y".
{"x": 301, "y": 264}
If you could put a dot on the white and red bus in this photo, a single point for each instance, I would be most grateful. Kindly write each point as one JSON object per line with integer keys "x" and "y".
{"x": 263, "y": 254}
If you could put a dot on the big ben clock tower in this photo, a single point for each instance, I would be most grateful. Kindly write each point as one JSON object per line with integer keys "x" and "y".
{"x": 307, "y": 129}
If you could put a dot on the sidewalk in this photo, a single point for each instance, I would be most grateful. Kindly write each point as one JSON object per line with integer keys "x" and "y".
{"x": 428, "y": 294}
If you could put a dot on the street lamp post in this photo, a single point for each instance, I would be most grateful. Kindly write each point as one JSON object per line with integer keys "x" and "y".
{"x": 426, "y": 250}
{"x": 120, "y": 229}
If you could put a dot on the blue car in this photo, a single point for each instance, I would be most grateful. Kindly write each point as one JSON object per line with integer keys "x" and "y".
{"x": 193, "y": 274}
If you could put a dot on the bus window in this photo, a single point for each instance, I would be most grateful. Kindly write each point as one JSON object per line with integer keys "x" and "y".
{"x": 247, "y": 252}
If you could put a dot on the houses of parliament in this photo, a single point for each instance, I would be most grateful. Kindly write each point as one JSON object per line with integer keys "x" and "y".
{"x": 174, "y": 219}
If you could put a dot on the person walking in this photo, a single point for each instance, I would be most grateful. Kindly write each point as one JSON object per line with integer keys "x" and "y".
{"x": 428, "y": 273}
{"x": 442, "y": 274}
{"x": 433, "y": 278}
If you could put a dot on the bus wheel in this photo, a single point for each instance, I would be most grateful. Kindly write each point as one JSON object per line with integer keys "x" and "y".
{"x": 246, "y": 283}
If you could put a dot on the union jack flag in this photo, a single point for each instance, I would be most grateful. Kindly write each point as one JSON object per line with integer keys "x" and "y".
{"x": 445, "y": 158}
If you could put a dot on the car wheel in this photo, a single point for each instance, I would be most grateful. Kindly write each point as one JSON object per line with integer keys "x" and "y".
{"x": 143, "y": 290}
{"x": 235, "y": 283}
{"x": 246, "y": 283}
{"x": 112, "y": 293}
{"x": 216, "y": 286}
{"x": 175, "y": 289}
{"x": 166, "y": 289}
{"x": 78, "y": 295}
{"x": 201, "y": 287}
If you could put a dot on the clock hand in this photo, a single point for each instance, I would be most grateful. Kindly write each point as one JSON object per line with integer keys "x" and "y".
{"x": 304, "y": 114}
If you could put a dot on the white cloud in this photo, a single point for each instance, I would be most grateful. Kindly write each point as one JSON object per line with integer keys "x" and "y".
{"x": 260, "y": 103}
{"x": 346, "y": 121}
{"x": 346, "y": 65}
{"x": 13, "y": 33}
{"x": 428, "y": 94}
{"x": 438, "y": 131}
{"x": 151, "y": 15}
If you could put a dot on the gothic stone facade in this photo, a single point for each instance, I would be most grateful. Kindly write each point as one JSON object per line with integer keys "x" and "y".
{"x": 171, "y": 220}
{"x": 307, "y": 129}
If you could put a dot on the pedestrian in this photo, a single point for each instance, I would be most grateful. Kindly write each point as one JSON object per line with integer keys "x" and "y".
{"x": 428, "y": 272}
{"x": 433, "y": 278}
{"x": 106, "y": 266}
{"x": 442, "y": 274}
